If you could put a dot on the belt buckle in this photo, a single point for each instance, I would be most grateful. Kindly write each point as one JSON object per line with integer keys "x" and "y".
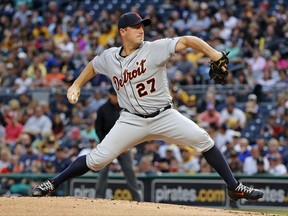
{"x": 161, "y": 109}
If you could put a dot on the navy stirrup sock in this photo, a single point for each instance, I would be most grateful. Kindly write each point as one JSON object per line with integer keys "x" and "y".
{"x": 216, "y": 160}
{"x": 76, "y": 168}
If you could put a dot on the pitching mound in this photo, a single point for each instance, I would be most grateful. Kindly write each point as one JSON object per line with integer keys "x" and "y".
{"x": 69, "y": 206}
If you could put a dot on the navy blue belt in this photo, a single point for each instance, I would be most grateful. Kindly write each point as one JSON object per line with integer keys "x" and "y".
{"x": 152, "y": 114}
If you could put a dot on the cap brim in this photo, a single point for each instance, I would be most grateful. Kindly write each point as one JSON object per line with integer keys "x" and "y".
{"x": 145, "y": 22}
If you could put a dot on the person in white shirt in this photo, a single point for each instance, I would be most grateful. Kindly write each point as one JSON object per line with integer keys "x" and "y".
{"x": 174, "y": 148}
{"x": 276, "y": 166}
{"x": 234, "y": 117}
{"x": 38, "y": 124}
{"x": 250, "y": 163}
{"x": 190, "y": 163}
{"x": 23, "y": 83}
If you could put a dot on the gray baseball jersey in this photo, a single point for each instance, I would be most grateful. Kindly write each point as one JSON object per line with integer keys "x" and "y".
{"x": 140, "y": 81}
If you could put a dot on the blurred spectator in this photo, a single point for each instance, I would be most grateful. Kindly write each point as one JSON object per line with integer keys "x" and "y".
{"x": 115, "y": 167}
{"x": 232, "y": 145}
{"x": 210, "y": 115}
{"x": 284, "y": 117}
{"x": 8, "y": 75}
{"x": 22, "y": 63}
{"x": 172, "y": 147}
{"x": 251, "y": 107}
{"x": 67, "y": 66}
{"x": 24, "y": 101}
{"x": 92, "y": 143}
{"x": 234, "y": 117}
{"x": 261, "y": 166}
{"x": 59, "y": 35}
{"x": 190, "y": 163}
{"x": 48, "y": 167}
{"x": 271, "y": 128}
{"x": 13, "y": 130}
{"x": 145, "y": 167}
{"x": 5, "y": 156}
{"x": 274, "y": 149}
{"x": 23, "y": 83}
{"x": 40, "y": 31}
{"x": 55, "y": 78}
{"x": 89, "y": 131}
{"x": 61, "y": 161}
{"x": 257, "y": 63}
{"x": 245, "y": 149}
{"x": 205, "y": 168}
{"x": 149, "y": 152}
{"x": 276, "y": 166}
{"x": 223, "y": 136}
{"x": 176, "y": 22}
{"x": 72, "y": 138}
{"x": 162, "y": 166}
{"x": 174, "y": 166}
{"x": 46, "y": 109}
{"x": 250, "y": 163}
{"x": 37, "y": 66}
{"x": 67, "y": 45}
{"x": 29, "y": 160}
{"x": 210, "y": 98}
{"x": 262, "y": 146}
{"x": 57, "y": 126}
{"x": 15, "y": 165}
{"x": 283, "y": 138}
{"x": 81, "y": 43}
{"x": 280, "y": 103}
{"x": 212, "y": 129}
{"x": 180, "y": 96}
{"x": 234, "y": 162}
{"x": 199, "y": 21}
{"x": 186, "y": 68}
{"x": 234, "y": 52}
{"x": 38, "y": 123}
{"x": 267, "y": 82}
{"x": 95, "y": 101}
{"x": 21, "y": 13}
{"x": 2, "y": 120}
{"x": 13, "y": 110}
{"x": 169, "y": 155}
{"x": 19, "y": 148}
{"x": 48, "y": 148}
{"x": 38, "y": 80}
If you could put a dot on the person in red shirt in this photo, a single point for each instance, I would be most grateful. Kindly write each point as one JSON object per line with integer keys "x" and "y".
{"x": 210, "y": 115}
{"x": 13, "y": 130}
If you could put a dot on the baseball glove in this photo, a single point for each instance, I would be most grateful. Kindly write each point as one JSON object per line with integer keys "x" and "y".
{"x": 219, "y": 69}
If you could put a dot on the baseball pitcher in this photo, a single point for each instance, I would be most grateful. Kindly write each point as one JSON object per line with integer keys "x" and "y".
{"x": 138, "y": 73}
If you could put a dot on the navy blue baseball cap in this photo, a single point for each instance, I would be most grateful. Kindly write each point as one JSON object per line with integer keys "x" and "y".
{"x": 132, "y": 19}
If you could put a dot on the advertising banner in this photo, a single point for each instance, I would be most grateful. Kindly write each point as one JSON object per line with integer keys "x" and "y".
{"x": 117, "y": 188}
{"x": 189, "y": 192}
{"x": 275, "y": 194}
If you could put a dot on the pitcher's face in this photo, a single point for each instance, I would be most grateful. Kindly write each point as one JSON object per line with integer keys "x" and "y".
{"x": 134, "y": 34}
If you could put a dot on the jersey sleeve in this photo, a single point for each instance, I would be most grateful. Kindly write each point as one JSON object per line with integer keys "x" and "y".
{"x": 100, "y": 63}
{"x": 163, "y": 49}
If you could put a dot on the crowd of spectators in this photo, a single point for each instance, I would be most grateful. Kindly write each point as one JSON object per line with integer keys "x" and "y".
{"x": 47, "y": 49}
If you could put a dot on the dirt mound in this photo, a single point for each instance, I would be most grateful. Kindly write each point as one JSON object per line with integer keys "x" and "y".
{"x": 70, "y": 206}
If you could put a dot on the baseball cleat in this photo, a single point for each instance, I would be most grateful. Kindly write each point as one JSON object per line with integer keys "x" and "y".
{"x": 244, "y": 192}
{"x": 43, "y": 189}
